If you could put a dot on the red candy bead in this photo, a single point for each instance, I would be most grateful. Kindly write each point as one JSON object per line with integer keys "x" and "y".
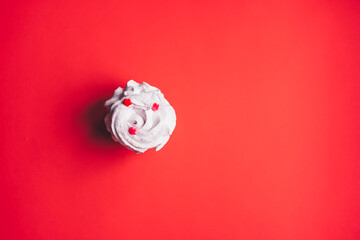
{"x": 155, "y": 107}
{"x": 133, "y": 131}
{"x": 127, "y": 102}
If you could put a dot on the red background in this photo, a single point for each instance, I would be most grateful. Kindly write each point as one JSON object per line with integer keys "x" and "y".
{"x": 267, "y": 95}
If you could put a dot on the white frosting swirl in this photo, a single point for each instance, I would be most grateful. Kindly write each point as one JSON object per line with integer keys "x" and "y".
{"x": 153, "y": 126}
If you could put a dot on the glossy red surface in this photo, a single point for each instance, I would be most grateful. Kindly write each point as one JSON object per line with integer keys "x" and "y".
{"x": 267, "y": 95}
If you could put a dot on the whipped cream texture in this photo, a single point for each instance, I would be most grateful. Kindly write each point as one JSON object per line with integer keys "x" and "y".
{"x": 139, "y": 117}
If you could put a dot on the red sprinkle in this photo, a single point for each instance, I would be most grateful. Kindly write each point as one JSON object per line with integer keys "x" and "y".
{"x": 155, "y": 107}
{"x": 133, "y": 131}
{"x": 127, "y": 102}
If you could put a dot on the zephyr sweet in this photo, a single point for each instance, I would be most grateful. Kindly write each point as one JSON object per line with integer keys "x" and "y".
{"x": 139, "y": 117}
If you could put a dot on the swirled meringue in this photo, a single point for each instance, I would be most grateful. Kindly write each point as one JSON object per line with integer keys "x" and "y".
{"x": 139, "y": 117}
